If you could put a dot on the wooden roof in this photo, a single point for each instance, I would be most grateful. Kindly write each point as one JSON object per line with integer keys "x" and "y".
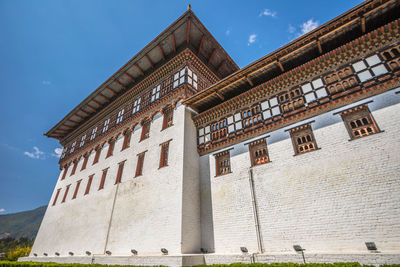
{"x": 186, "y": 32}
{"x": 340, "y": 30}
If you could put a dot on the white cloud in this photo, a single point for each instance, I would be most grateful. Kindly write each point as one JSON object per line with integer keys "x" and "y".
{"x": 252, "y": 38}
{"x": 36, "y": 154}
{"x": 57, "y": 152}
{"x": 45, "y": 82}
{"x": 2, "y": 210}
{"x": 291, "y": 29}
{"x": 227, "y": 32}
{"x": 309, "y": 25}
{"x": 268, "y": 13}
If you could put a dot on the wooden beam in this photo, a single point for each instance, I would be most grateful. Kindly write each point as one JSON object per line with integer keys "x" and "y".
{"x": 173, "y": 42}
{"x": 188, "y": 31}
{"x": 319, "y": 46}
{"x": 280, "y": 65}
{"x": 72, "y": 121}
{"x": 121, "y": 84}
{"x": 97, "y": 102}
{"x": 139, "y": 69}
{"x": 220, "y": 96}
{"x": 151, "y": 63}
{"x": 363, "y": 24}
{"x": 129, "y": 77}
{"x": 249, "y": 81}
{"x": 65, "y": 131}
{"x": 83, "y": 111}
{"x": 201, "y": 45}
{"x": 70, "y": 127}
{"x": 221, "y": 65}
{"x": 212, "y": 55}
{"x": 112, "y": 91}
{"x": 90, "y": 107}
{"x": 103, "y": 96}
{"x": 161, "y": 51}
{"x": 79, "y": 116}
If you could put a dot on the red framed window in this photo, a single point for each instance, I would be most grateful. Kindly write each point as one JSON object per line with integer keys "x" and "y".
{"x": 168, "y": 117}
{"x": 89, "y": 183}
{"x": 78, "y": 183}
{"x": 65, "y": 172}
{"x": 74, "y": 168}
{"x": 303, "y": 139}
{"x": 56, "y": 197}
{"x": 65, "y": 194}
{"x": 111, "y": 145}
{"x": 223, "y": 163}
{"x": 97, "y": 156}
{"x": 85, "y": 160}
{"x": 145, "y": 130}
{"x": 103, "y": 179}
{"x": 139, "y": 166}
{"x": 164, "y": 154}
{"x": 120, "y": 171}
{"x": 359, "y": 122}
{"x": 127, "y": 139}
{"x": 258, "y": 152}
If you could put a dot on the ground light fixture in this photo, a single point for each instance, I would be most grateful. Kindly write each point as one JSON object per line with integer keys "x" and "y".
{"x": 244, "y": 249}
{"x": 134, "y": 251}
{"x": 57, "y": 254}
{"x": 71, "y": 253}
{"x": 88, "y": 253}
{"x": 45, "y": 254}
{"x": 108, "y": 252}
{"x": 34, "y": 254}
{"x": 298, "y": 248}
{"x": 371, "y": 246}
{"x": 164, "y": 251}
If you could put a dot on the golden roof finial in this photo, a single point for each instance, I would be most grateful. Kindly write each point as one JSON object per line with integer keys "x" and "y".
{"x": 189, "y": 7}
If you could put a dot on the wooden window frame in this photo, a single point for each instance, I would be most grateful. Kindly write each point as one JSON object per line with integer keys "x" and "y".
{"x": 168, "y": 118}
{"x": 72, "y": 147}
{"x": 103, "y": 179}
{"x": 140, "y": 164}
{"x": 120, "y": 172}
{"x": 65, "y": 172}
{"x": 56, "y": 196}
{"x": 83, "y": 139}
{"x": 106, "y": 125}
{"x": 74, "y": 167}
{"x": 359, "y": 120}
{"x": 145, "y": 130}
{"x": 305, "y": 134}
{"x": 111, "y": 145}
{"x": 85, "y": 161}
{"x": 120, "y": 116}
{"x": 89, "y": 184}
{"x": 97, "y": 155}
{"x": 164, "y": 153}
{"x": 94, "y": 132}
{"x": 78, "y": 183}
{"x": 223, "y": 157}
{"x": 254, "y": 147}
{"x": 127, "y": 139}
{"x": 66, "y": 193}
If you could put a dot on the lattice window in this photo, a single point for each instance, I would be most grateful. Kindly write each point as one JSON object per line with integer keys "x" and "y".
{"x": 82, "y": 140}
{"x": 179, "y": 78}
{"x": 204, "y": 135}
{"x": 145, "y": 130}
{"x": 223, "y": 163}
{"x": 359, "y": 122}
{"x": 368, "y": 68}
{"x": 136, "y": 105}
{"x": 103, "y": 179}
{"x": 303, "y": 139}
{"x": 234, "y": 122}
{"x": 251, "y": 116}
{"x": 72, "y": 147}
{"x": 127, "y": 139}
{"x": 192, "y": 78}
{"x": 155, "y": 93}
{"x": 168, "y": 117}
{"x": 258, "y": 152}
{"x": 291, "y": 100}
{"x": 105, "y": 126}
{"x": 164, "y": 154}
{"x": 270, "y": 108}
{"x": 218, "y": 130}
{"x": 139, "y": 166}
{"x": 120, "y": 116}
{"x": 93, "y": 135}
{"x": 314, "y": 90}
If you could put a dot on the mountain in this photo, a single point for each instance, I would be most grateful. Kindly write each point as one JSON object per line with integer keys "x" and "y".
{"x": 21, "y": 224}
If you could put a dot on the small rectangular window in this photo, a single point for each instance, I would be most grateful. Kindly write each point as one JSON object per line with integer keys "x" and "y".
{"x": 120, "y": 170}
{"x": 89, "y": 183}
{"x": 72, "y": 147}
{"x": 97, "y": 156}
{"x": 64, "y": 152}
{"x": 164, "y": 154}
{"x": 120, "y": 116}
{"x": 78, "y": 183}
{"x": 303, "y": 139}
{"x": 136, "y": 105}
{"x": 139, "y": 166}
{"x": 103, "y": 179}
{"x": 105, "y": 126}
{"x": 110, "y": 148}
{"x": 127, "y": 139}
{"x": 145, "y": 130}
{"x": 82, "y": 140}
{"x": 93, "y": 135}
{"x": 74, "y": 168}
{"x": 168, "y": 117}
{"x": 179, "y": 78}
{"x": 192, "y": 78}
{"x": 258, "y": 152}
{"x": 65, "y": 172}
{"x": 85, "y": 160}
{"x": 223, "y": 163}
{"x": 65, "y": 194}
{"x": 155, "y": 93}
{"x": 359, "y": 122}
{"x": 56, "y": 197}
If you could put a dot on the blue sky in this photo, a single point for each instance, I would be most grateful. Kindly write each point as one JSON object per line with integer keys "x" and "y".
{"x": 55, "y": 53}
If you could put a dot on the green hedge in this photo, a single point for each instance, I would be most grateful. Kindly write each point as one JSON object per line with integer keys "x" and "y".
{"x": 51, "y": 264}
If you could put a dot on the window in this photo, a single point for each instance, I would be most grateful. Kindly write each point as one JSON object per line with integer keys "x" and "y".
{"x": 314, "y": 90}
{"x": 192, "y": 78}
{"x": 55, "y": 198}
{"x": 155, "y": 93}
{"x": 111, "y": 144}
{"x": 89, "y": 183}
{"x": 74, "y": 168}
{"x": 93, "y": 135}
{"x": 64, "y": 152}
{"x": 218, "y": 130}
{"x": 106, "y": 123}
{"x": 78, "y": 183}
{"x": 72, "y": 147}
{"x": 136, "y": 105}
{"x": 258, "y": 152}
{"x": 164, "y": 154}
{"x": 251, "y": 116}
{"x": 65, "y": 172}
{"x": 303, "y": 139}
{"x": 139, "y": 166}
{"x": 145, "y": 130}
{"x": 120, "y": 170}
{"x": 179, "y": 78}
{"x": 82, "y": 140}
{"x": 359, "y": 122}
{"x": 103, "y": 179}
{"x": 85, "y": 160}
{"x": 168, "y": 117}
{"x": 127, "y": 139}
{"x": 120, "y": 116}
{"x": 270, "y": 108}
{"x": 65, "y": 194}
{"x": 223, "y": 163}
{"x": 97, "y": 156}
{"x": 204, "y": 135}
{"x": 234, "y": 122}
{"x": 371, "y": 66}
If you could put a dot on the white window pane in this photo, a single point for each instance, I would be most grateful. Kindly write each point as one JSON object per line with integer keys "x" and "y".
{"x": 264, "y": 105}
{"x": 201, "y": 131}
{"x": 207, "y": 137}
{"x": 158, "y": 88}
{"x": 182, "y": 80}
{"x": 154, "y": 91}
{"x": 152, "y": 98}
{"x": 230, "y": 119}
{"x": 379, "y": 70}
{"x": 273, "y": 101}
{"x": 238, "y": 116}
{"x": 231, "y": 128}
{"x": 310, "y": 97}
{"x": 373, "y": 60}
{"x": 195, "y": 77}
{"x": 190, "y": 72}
{"x": 182, "y": 72}
{"x": 157, "y": 95}
{"x": 207, "y": 129}
{"x": 176, "y": 83}
{"x": 276, "y": 111}
{"x": 238, "y": 125}
{"x": 317, "y": 83}
{"x": 176, "y": 76}
{"x": 306, "y": 88}
{"x": 321, "y": 93}
{"x": 195, "y": 85}
{"x": 139, "y": 100}
{"x": 359, "y": 66}
{"x": 133, "y": 110}
{"x": 201, "y": 140}
{"x": 190, "y": 80}
{"x": 267, "y": 114}
{"x": 364, "y": 76}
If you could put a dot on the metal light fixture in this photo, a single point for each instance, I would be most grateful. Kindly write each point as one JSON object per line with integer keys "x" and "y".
{"x": 88, "y": 253}
{"x": 164, "y": 251}
{"x": 134, "y": 251}
{"x": 371, "y": 246}
{"x": 34, "y": 254}
{"x": 244, "y": 249}
{"x": 57, "y": 254}
{"x": 71, "y": 253}
{"x": 108, "y": 252}
{"x": 203, "y": 250}
{"x": 45, "y": 254}
{"x": 298, "y": 248}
